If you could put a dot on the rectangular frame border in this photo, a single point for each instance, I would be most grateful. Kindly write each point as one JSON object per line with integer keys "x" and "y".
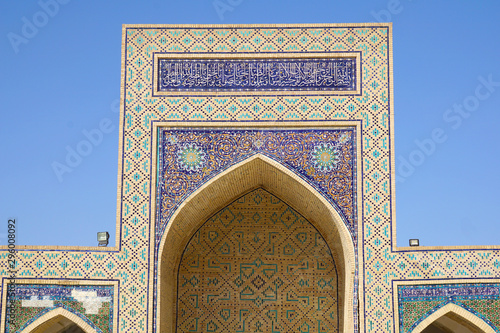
{"x": 157, "y": 56}
{"x": 397, "y": 283}
{"x": 64, "y": 282}
{"x": 278, "y": 125}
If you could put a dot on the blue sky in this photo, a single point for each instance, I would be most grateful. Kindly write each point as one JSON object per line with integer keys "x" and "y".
{"x": 61, "y": 79}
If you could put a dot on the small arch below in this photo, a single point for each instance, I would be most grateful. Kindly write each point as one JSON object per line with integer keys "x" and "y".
{"x": 59, "y": 320}
{"x": 59, "y": 324}
{"x": 453, "y": 319}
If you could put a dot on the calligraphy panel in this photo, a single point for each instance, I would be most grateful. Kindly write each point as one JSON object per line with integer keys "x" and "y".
{"x": 221, "y": 75}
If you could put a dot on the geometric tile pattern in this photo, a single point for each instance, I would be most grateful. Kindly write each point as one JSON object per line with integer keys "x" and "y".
{"x": 93, "y": 304}
{"x": 417, "y": 302}
{"x": 257, "y": 266}
{"x": 380, "y": 262}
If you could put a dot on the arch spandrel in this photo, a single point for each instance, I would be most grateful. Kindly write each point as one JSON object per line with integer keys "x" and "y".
{"x": 257, "y": 171}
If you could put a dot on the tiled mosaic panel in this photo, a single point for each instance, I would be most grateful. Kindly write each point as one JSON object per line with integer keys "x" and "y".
{"x": 417, "y": 302}
{"x": 257, "y": 266}
{"x": 380, "y": 265}
{"x": 94, "y": 304}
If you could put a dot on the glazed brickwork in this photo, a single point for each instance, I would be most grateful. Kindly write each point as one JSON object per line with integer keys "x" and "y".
{"x": 257, "y": 265}
{"x": 380, "y": 267}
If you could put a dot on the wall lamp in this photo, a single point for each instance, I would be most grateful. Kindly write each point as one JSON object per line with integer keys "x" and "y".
{"x": 414, "y": 242}
{"x": 102, "y": 238}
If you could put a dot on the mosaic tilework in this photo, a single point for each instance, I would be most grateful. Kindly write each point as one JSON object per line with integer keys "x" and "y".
{"x": 257, "y": 266}
{"x": 417, "y": 302}
{"x": 94, "y": 304}
{"x": 132, "y": 262}
{"x": 254, "y": 75}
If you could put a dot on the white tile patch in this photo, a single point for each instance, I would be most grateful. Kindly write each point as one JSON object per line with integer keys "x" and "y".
{"x": 90, "y": 301}
{"x": 34, "y": 302}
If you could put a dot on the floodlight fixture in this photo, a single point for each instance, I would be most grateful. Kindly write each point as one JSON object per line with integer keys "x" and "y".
{"x": 414, "y": 242}
{"x": 102, "y": 238}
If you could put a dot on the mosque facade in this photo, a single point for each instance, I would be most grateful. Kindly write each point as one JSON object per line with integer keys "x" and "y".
{"x": 255, "y": 194}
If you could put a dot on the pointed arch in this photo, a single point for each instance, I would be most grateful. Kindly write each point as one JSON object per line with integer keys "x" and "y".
{"x": 52, "y": 317}
{"x": 256, "y": 171}
{"x": 458, "y": 315}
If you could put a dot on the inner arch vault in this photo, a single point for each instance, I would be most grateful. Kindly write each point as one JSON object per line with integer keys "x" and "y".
{"x": 257, "y": 265}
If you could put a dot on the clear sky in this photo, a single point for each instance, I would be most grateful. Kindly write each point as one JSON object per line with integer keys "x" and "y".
{"x": 60, "y": 78}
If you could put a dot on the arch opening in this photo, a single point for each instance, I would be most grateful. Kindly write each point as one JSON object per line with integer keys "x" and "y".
{"x": 453, "y": 319}
{"x": 255, "y": 172}
{"x": 257, "y": 265}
